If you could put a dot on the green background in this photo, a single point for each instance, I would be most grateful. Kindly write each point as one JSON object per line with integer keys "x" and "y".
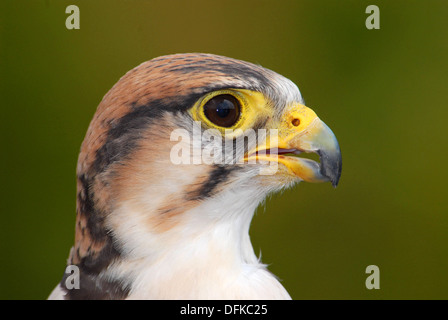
{"x": 383, "y": 92}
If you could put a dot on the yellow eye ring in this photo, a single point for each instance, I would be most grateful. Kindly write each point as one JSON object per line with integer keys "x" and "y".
{"x": 222, "y": 109}
{"x": 252, "y": 106}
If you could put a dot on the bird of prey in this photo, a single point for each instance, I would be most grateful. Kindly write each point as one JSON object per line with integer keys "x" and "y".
{"x": 164, "y": 212}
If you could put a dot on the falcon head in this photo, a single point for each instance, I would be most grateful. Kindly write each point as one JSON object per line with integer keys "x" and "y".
{"x": 178, "y": 156}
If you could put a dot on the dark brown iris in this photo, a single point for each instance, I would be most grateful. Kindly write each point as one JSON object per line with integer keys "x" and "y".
{"x": 223, "y": 110}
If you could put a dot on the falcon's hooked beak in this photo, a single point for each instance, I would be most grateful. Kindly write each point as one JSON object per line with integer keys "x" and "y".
{"x": 301, "y": 131}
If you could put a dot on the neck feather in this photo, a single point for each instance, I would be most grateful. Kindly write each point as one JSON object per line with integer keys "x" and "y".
{"x": 206, "y": 254}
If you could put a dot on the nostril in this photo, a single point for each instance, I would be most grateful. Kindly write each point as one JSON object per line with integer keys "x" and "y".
{"x": 296, "y": 122}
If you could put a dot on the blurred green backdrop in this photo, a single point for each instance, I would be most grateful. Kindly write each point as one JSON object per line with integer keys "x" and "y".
{"x": 383, "y": 92}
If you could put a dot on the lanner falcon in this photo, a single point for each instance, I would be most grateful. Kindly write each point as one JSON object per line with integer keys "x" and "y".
{"x": 166, "y": 190}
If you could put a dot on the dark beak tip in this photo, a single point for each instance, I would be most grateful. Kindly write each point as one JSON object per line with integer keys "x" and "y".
{"x": 335, "y": 183}
{"x": 331, "y": 168}
{"x": 335, "y": 180}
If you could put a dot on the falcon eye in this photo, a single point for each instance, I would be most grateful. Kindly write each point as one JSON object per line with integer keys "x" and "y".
{"x": 223, "y": 110}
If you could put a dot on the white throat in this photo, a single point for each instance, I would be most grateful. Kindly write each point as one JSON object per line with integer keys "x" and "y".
{"x": 207, "y": 255}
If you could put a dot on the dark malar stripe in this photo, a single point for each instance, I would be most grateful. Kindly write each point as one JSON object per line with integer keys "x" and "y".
{"x": 219, "y": 175}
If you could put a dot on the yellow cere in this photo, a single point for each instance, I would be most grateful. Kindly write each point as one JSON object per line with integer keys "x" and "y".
{"x": 290, "y": 128}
